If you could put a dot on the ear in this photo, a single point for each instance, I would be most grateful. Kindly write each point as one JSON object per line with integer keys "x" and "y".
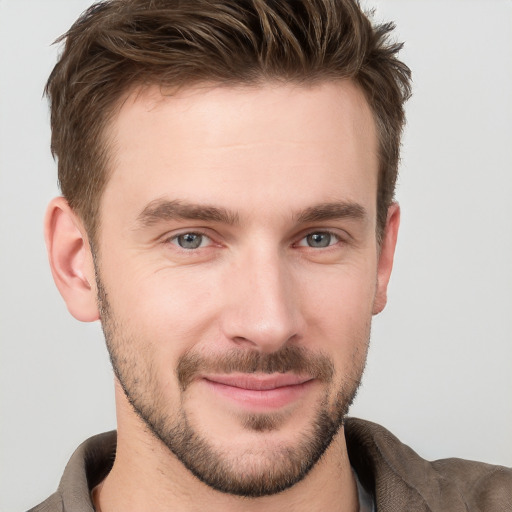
{"x": 71, "y": 260}
{"x": 387, "y": 253}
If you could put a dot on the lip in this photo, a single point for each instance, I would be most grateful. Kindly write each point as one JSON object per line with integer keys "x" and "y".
{"x": 259, "y": 392}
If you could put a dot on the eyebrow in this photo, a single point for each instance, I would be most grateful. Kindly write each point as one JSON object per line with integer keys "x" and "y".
{"x": 165, "y": 210}
{"x": 161, "y": 210}
{"x": 332, "y": 211}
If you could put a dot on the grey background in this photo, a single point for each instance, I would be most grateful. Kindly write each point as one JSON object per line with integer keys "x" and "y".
{"x": 439, "y": 371}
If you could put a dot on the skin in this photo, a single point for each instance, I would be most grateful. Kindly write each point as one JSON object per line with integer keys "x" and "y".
{"x": 269, "y": 157}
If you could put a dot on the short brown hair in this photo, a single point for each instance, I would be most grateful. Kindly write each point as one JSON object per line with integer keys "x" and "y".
{"x": 117, "y": 45}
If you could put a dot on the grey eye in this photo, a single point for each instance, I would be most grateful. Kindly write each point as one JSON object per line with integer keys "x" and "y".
{"x": 190, "y": 240}
{"x": 320, "y": 239}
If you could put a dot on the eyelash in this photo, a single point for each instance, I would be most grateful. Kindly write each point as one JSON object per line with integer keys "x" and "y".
{"x": 174, "y": 240}
{"x": 331, "y": 234}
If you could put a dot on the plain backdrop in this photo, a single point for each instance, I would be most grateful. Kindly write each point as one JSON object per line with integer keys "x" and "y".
{"x": 439, "y": 373}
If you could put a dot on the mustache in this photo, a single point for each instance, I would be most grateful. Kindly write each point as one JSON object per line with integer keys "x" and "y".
{"x": 291, "y": 359}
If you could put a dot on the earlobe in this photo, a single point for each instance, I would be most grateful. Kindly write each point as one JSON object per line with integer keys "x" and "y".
{"x": 71, "y": 260}
{"x": 387, "y": 253}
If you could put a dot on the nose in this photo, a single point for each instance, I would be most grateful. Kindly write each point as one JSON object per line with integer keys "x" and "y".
{"x": 264, "y": 304}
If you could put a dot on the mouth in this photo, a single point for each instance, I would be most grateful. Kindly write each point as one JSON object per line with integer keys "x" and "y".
{"x": 259, "y": 392}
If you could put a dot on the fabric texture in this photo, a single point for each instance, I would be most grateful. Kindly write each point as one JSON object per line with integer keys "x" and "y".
{"x": 397, "y": 478}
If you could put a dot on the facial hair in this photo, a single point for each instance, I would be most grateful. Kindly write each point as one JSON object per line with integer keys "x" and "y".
{"x": 253, "y": 473}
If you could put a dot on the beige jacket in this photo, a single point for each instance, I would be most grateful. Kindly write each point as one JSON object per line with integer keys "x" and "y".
{"x": 397, "y": 477}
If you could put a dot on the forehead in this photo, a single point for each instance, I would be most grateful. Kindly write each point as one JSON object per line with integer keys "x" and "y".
{"x": 244, "y": 146}
{"x": 218, "y": 114}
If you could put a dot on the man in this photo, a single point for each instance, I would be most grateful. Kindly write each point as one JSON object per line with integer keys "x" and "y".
{"x": 228, "y": 174}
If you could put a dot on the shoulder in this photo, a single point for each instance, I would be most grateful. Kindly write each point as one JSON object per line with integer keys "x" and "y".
{"x": 87, "y": 467}
{"x": 51, "y": 504}
{"x": 484, "y": 486}
{"x": 402, "y": 480}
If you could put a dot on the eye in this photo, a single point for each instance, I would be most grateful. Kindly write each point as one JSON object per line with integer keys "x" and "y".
{"x": 191, "y": 240}
{"x": 319, "y": 239}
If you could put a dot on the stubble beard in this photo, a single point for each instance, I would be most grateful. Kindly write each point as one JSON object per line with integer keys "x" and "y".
{"x": 263, "y": 472}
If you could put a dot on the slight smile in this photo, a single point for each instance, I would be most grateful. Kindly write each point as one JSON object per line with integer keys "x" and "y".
{"x": 260, "y": 392}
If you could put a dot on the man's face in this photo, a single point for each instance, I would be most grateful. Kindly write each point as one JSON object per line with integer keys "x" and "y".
{"x": 237, "y": 272}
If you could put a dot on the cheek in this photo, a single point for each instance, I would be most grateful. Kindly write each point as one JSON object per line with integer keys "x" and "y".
{"x": 166, "y": 310}
{"x": 338, "y": 312}
{"x": 343, "y": 294}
